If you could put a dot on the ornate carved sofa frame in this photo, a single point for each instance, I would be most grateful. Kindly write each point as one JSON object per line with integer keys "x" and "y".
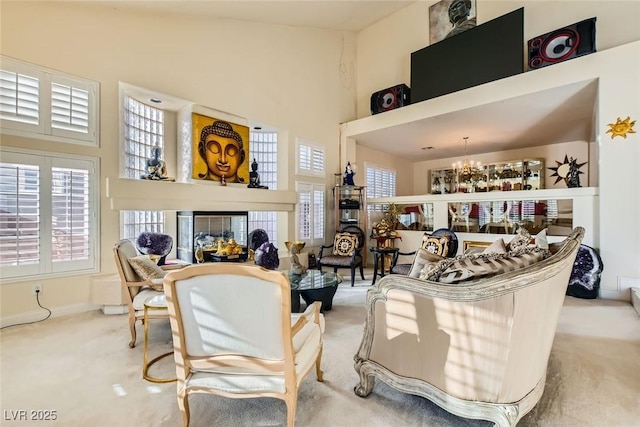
{"x": 479, "y": 349}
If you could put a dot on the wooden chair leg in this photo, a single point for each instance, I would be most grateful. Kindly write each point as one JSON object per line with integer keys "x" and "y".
{"x": 132, "y": 329}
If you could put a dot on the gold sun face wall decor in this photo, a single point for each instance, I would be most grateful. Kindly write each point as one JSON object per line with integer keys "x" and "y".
{"x": 621, "y": 127}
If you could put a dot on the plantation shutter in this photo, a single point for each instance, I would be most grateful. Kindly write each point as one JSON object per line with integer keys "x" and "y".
{"x": 19, "y": 215}
{"x": 310, "y": 160}
{"x": 70, "y": 229}
{"x": 318, "y": 215}
{"x": 304, "y": 211}
{"x": 41, "y": 103}
{"x": 19, "y": 98}
{"x": 69, "y": 108}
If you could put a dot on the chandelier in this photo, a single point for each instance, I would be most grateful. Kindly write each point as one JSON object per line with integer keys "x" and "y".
{"x": 466, "y": 168}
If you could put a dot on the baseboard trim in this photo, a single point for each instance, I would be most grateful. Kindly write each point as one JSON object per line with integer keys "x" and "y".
{"x": 37, "y": 315}
{"x": 622, "y": 296}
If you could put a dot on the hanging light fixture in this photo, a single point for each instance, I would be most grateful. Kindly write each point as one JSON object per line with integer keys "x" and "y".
{"x": 466, "y": 168}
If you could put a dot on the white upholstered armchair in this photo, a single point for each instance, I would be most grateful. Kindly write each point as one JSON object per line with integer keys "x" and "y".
{"x": 478, "y": 349}
{"x": 234, "y": 334}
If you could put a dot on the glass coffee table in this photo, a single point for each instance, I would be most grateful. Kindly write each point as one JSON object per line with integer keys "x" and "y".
{"x": 314, "y": 285}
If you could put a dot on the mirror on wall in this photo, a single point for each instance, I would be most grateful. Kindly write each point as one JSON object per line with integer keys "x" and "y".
{"x": 417, "y": 216}
{"x": 505, "y": 217}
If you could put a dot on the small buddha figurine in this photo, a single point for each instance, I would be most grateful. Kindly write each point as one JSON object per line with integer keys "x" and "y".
{"x": 296, "y": 267}
{"x": 254, "y": 176}
{"x": 156, "y": 168}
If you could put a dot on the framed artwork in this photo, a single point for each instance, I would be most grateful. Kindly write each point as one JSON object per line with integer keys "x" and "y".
{"x": 450, "y": 17}
{"x": 220, "y": 150}
{"x": 469, "y": 246}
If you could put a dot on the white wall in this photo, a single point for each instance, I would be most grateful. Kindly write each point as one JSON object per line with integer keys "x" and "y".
{"x": 384, "y": 48}
{"x": 286, "y": 77}
{"x": 617, "y": 68}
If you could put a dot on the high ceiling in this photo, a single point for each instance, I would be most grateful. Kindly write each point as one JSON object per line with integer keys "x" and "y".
{"x": 346, "y": 15}
{"x": 557, "y": 115}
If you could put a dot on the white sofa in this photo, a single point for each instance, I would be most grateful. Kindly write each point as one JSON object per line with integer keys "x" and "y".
{"x": 478, "y": 349}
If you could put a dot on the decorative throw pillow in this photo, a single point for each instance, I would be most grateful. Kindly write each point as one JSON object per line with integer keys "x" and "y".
{"x": 436, "y": 245}
{"x": 521, "y": 240}
{"x": 541, "y": 239}
{"x": 147, "y": 270}
{"x": 345, "y": 244}
{"x": 423, "y": 262}
{"x": 497, "y": 247}
{"x": 464, "y": 268}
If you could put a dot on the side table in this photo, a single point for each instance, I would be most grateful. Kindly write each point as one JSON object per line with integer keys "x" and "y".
{"x": 158, "y": 302}
{"x": 379, "y": 255}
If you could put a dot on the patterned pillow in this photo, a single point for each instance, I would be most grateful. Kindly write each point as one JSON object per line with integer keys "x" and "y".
{"x": 541, "y": 240}
{"x": 465, "y": 268}
{"x": 423, "y": 263}
{"x": 521, "y": 240}
{"x": 147, "y": 270}
{"x": 345, "y": 244}
{"x": 496, "y": 247}
{"x": 436, "y": 245}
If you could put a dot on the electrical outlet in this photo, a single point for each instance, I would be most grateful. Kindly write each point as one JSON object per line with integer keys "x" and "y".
{"x": 37, "y": 289}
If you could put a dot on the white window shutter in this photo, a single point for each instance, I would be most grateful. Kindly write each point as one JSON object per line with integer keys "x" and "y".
{"x": 19, "y": 216}
{"x": 41, "y": 103}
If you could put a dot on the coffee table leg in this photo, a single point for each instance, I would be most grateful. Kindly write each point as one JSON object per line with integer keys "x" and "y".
{"x": 324, "y": 295}
{"x": 295, "y": 301}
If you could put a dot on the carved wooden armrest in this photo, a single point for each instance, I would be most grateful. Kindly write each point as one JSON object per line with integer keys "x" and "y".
{"x": 311, "y": 314}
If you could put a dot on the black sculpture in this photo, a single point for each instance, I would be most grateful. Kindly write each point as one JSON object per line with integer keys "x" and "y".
{"x": 254, "y": 176}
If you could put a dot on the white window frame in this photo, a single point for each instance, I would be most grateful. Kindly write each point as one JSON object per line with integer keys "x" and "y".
{"x": 316, "y": 155}
{"x": 376, "y": 189}
{"x": 263, "y": 146}
{"x": 46, "y": 268}
{"x": 44, "y": 128}
{"x": 154, "y": 221}
{"x": 316, "y": 233}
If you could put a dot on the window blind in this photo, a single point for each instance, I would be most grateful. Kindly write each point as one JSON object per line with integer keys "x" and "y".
{"x": 19, "y": 97}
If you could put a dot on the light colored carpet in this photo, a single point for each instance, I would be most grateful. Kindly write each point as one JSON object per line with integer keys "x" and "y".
{"x": 82, "y": 367}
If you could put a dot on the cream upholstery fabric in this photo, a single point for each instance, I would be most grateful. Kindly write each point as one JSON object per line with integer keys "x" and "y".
{"x": 479, "y": 349}
{"x": 423, "y": 258}
{"x": 136, "y": 288}
{"x": 234, "y": 334}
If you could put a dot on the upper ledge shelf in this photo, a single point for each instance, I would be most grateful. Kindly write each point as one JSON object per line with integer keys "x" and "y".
{"x": 555, "y": 104}
{"x": 140, "y": 194}
{"x": 545, "y": 194}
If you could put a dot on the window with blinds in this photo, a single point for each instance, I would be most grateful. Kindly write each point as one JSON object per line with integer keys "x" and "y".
{"x": 310, "y": 159}
{"x": 263, "y": 146}
{"x": 42, "y": 103}
{"x": 310, "y": 213}
{"x": 381, "y": 182}
{"x": 47, "y": 221}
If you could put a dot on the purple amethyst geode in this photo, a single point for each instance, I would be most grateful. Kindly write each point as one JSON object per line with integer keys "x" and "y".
{"x": 150, "y": 243}
{"x": 267, "y": 256}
